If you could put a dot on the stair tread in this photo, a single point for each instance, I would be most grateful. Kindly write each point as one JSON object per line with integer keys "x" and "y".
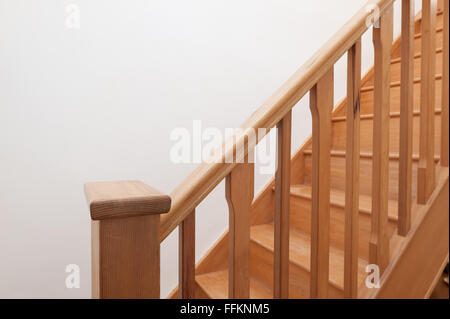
{"x": 337, "y": 198}
{"x": 365, "y": 154}
{"x": 299, "y": 252}
{"x": 370, "y": 116}
{"x": 215, "y": 284}
{"x": 393, "y": 84}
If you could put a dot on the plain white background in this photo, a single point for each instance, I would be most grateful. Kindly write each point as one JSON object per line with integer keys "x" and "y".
{"x": 99, "y": 103}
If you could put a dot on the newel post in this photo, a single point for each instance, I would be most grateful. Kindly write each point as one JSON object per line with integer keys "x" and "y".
{"x": 125, "y": 238}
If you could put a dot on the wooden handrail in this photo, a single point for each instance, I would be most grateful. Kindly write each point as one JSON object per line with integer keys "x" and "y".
{"x": 207, "y": 176}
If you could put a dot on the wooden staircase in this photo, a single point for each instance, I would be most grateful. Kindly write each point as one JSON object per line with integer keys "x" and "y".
{"x": 212, "y": 279}
{"x": 369, "y": 187}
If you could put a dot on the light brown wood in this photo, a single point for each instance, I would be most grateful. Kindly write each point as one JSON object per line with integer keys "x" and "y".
{"x": 445, "y": 90}
{"x": 321, "y": 104}
{"x": 125, "y": 238}
{"x": 123, "y": 199}
{"x": 125, "y": 257}
{"x": 300, "y": 258}
{"x": 186, "y": 258}
{"x": 262, "y": 244}
{"x": 439, "y": 288}
{"x": 406, "y": 118}
{"x": 239, "y": 193}
{"x": 207, "y": 176}
{"x": 216, "y": 259}
{"x": 282, "y": 206}
{"x": 352, "y": 172}
{"x": 421, "y": 253}
{"x": 426, "y": 173}
{"x": 215, "y": 285}
{"x": 301, "y": 205}
{"x": 379, "y": 241}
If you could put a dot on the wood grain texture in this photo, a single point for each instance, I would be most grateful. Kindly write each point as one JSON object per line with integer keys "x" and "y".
{"x": 125, "y": 257}
{"x": 216, "y": 285}
{"x": 321, "y": 105}
{"x": 420, "y": 255}
{"x": 379, "y": 241}
{"x": 207, "y": 176}
{"x": 426, "y": 173}
{"x": 262, "y": 251}
{"x": 186, "y": 258}
{"x": 239, "y": 194}
{"x": 406, "y": 118}
{"x": 282, "y": 208}
{"x": 124, "y": 199}
{"x": 352, "y": 171}
{"x": 445, "y": 89}
{"x": 299, "y": 257}
{"x": 301, "y": 220}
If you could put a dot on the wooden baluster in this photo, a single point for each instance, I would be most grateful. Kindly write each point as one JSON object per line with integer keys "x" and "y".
{"x": 426, "y": 175}
{"x": 125, "y": 238}
{"x": 352, "y": 171}
{"x": 445, "y": 89}
{"x": 282, "y": 206}
{"x": 239, "y": 194}
{"x": 186, "y": 258}
{"x": 406, "y": 117}
{"x": 321, "y": 104}
{"x": 379, "y": 240}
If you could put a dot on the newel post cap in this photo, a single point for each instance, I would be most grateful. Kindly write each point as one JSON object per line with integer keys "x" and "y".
{"x": 124, "y": 199}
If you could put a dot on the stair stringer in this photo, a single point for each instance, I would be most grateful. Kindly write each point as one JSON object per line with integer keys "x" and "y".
{"x": 420, "y": 257}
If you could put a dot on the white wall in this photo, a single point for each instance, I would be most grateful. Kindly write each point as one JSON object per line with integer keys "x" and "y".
{"x": 99, "y": 103}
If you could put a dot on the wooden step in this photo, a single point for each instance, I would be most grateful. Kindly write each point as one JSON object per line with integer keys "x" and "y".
{"x": 396, "y": 53}
{"x": 299, "y": 255}
{"x": 301, "y": 217}
{"x": 418, "y": 40}
{"x": 338, "y": 139}
{"x": 215, "y": 285}
{"x": 337, "y": 180}
{"x": 337, "y": 199}
{"x": 396, "y": 68}
{"x": 416, "y": 56}
{"x": 397, "y": 83}
{"x": 370, "y": 116}
{"x": 439, "y": 20}
{"x": 369, "y": 155}
{"x": 367, "y": 98}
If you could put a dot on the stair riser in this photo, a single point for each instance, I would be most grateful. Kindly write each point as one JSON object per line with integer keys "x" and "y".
{"x": 300, "y": 219}
{"x": 261, "y": 267}
{"x": 337, "y": 179}
{"x": 396, "y": 69}
{"x": 366, "y": 128}
{"x": 367, "y": 98}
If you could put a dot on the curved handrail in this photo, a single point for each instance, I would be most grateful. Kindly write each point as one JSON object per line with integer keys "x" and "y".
{"x": 195, "y": 187}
